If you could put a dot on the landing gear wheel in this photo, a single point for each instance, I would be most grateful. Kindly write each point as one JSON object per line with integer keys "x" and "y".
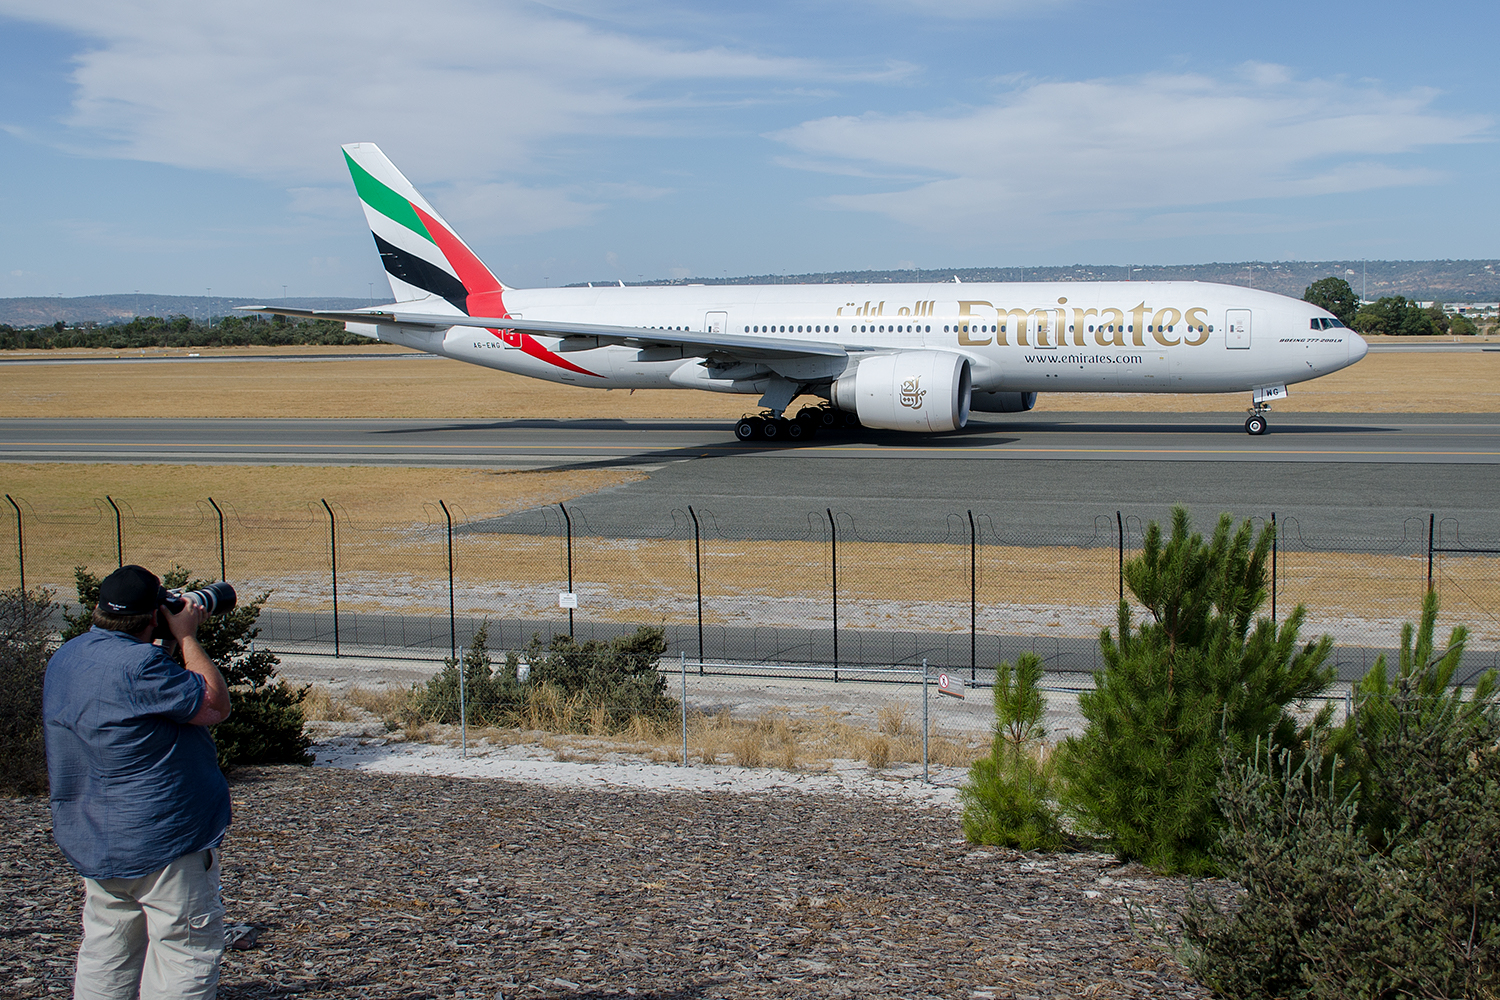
{"x": 796, "y": 430}
{"x": 827, "y": 416}
{"x": 746, "y": 429}
{"x": 1255, "y": 425}
{"x": 772, "y": 430}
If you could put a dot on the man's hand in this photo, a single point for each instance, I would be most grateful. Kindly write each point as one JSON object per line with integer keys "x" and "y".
{"x": 184, "y": 624}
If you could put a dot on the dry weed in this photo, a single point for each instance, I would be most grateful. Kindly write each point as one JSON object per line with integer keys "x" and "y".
{"x": 396, "y": 707}
{"x": 878, "y": 752}
{"x": 750, "y": 747}
{"x": 320, "y": 705}
{"x": 892, "y": 719}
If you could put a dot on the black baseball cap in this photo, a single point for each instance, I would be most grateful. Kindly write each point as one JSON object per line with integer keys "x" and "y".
{"x": 129, "y": 590}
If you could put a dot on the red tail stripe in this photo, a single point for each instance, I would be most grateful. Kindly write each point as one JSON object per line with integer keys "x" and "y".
{"x": 471, "y": 270}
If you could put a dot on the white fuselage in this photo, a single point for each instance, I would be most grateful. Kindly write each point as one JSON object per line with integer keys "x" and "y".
{"x": 1168, "y": 336}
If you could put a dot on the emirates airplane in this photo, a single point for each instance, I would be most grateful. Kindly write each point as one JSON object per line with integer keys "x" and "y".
{"x": 903, "y": 357}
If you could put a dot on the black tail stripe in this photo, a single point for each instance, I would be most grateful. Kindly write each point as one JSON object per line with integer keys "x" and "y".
{"x": 423, "y": 274}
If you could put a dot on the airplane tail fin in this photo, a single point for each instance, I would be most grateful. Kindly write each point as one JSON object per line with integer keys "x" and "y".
{"x": 424, "y": 258}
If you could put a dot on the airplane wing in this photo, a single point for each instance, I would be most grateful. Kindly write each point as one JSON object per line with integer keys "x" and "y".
{"x": 694, "y": 342}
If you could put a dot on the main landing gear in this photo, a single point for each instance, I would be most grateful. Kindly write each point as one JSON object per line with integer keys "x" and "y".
{"x": 768, "y": 427}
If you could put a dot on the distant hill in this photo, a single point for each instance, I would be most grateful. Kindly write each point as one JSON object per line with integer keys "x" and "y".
{"x": 42, "y": 311}
{"x": 1447, "y": 280}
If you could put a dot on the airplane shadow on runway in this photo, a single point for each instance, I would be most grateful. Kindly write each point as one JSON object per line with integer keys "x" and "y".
{"x": 976, "y": 435}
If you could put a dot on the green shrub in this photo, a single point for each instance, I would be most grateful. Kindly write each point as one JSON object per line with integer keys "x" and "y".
{"x": 1421, "y": 698}
{"x": 1006, "y": 798}
{"x": 1200, "y": 676}
{"x": 265, "y": 728}
{"x": 490, "y": 697}
{"x": 25, "y": 647}
{"x": 1405, "y": 904}
{"x": 619, "y": 676}
{"x": 266, "y": 724}
{"x": 609, "y": 682}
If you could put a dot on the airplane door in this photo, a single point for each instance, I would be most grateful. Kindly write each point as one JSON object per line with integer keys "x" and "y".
{"x": 715, "y": 322}
{"x": 1237, "y": 329}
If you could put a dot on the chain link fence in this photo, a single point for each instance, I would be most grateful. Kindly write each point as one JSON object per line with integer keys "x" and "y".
{"x": 810, "y": 633}
{"x": 820, "y": 589}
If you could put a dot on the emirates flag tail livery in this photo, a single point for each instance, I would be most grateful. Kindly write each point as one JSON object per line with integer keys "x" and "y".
{"x": 913, "y": 357}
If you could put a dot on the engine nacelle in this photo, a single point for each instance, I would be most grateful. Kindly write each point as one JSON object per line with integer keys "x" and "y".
{"x": 1003, "y": 402}
{"x": 922, "y": 391}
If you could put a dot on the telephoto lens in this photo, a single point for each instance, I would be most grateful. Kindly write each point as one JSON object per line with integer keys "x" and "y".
{"x": 218, "y": 598}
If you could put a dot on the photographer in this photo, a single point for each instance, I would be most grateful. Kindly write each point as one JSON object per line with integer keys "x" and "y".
{"x": 139, "y": 805}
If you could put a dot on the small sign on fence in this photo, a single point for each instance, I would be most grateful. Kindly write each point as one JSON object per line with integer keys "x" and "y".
{"x": 567, "y": 600}
{"x": 953, "y": 687}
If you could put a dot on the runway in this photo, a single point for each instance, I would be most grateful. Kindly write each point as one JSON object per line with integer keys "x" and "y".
{"x": 1404, "y": 439}
{"x": 1349, "y": 476}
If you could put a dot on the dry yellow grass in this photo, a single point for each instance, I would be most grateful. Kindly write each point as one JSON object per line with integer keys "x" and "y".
{"x": 422, "y": 387}
{"x": 392, "y": 558}
{"x": 1428, "y": 383}
{"x": 389, "y": 517}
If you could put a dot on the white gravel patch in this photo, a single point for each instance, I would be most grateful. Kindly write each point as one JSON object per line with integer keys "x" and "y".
{"x": 537, "y": 765}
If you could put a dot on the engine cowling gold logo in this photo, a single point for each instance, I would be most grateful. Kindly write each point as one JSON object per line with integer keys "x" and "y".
{"x": 912, "y": 393}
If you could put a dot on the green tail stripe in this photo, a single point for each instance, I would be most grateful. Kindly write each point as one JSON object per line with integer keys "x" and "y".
{"x": 385, "y": 201}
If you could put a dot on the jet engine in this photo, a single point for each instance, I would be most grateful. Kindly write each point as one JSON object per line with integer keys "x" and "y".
{"x": 1003, "y": 402}
{"x": 921, "y": 391}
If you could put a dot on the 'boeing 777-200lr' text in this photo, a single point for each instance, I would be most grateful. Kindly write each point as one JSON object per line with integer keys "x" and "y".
{"x": 916, "y": 357}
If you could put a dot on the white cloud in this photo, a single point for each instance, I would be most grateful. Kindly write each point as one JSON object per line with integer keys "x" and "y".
{"x": 1056, "y": 160}
{"x": 457, "y": 89}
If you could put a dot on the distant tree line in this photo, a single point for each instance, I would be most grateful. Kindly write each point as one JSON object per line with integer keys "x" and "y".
{"x": 1392, "y": 316}
{"x": 180, "y": 331}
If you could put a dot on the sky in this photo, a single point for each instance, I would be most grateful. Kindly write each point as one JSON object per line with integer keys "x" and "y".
{"x": 182, "y": 147}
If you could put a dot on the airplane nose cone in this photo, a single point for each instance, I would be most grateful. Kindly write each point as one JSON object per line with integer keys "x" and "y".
{"x": 1357, "y": 347}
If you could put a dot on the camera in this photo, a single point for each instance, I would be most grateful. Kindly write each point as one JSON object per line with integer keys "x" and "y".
{"x": 218, "y": 598}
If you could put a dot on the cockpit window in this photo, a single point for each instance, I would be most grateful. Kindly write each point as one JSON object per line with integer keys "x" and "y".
{"x": 1326, "y": 323}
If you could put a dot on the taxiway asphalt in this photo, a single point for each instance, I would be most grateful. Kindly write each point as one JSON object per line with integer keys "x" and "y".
{"x": 1345, "y": 476}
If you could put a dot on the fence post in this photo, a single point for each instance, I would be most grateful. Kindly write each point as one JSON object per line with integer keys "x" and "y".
{"x": 569, "y": 522}
{"x": 452, "y": 616}
{"x": 1120, "y": 531}
{"x": 682, "y": 668}
{"x": 223, "y": 561}
{"x": 333, "y": 568}
{"x": 973, "y": 598}
{"x": 698, "y": 575}
{"x": 833, "y": 542}
{"x": 1431, "y": 524}
{"x": 120, "y": 534}
{"x": 925, "y": 726}
{"x": 1275, "y": 544}
{"x": 20, "y": 546}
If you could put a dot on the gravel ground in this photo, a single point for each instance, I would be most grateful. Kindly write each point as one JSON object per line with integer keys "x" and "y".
{"x": 387, "y": 885}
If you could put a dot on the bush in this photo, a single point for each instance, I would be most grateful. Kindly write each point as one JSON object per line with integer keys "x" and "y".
{"x": 1006, "y": 799}
{"x": 25, "y": 647}
{"x": 1202, "y": 676}
{"x": 1402, "y": 903}
{"x": 600, "y": 685}
{"x": 1420, "y": 699}
{"x": 266, "y": 724}
{"x": 489, "y": 697}
{"x": 619, "y": 676}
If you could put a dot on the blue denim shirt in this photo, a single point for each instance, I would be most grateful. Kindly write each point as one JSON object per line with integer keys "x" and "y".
{"x": 134, "y": 787}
